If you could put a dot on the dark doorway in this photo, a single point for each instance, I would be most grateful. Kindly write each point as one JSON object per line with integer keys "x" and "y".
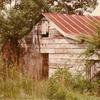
{"x": 45, "y": 65}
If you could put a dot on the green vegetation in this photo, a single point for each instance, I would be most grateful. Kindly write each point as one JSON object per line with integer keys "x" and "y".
{"x": 15, "y": 24}
{"x": 92, "y": 51}
{"x": 18, "y": 21}
{"x": 61, "y": 86}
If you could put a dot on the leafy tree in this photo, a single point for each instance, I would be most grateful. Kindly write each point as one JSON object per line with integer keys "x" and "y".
{"x": 92, "y": 44}
{"x": 17, "y": 21}
{"x": 4, "y": 2}
{"x": 72, "y": 6}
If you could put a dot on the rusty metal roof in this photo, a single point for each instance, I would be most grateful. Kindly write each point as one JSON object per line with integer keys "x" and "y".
{"x": 74, "y": 24}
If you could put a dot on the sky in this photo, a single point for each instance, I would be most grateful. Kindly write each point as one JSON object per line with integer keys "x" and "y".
{"x": 96, "y": 12}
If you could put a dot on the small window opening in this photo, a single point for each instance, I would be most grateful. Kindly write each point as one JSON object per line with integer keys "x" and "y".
{"x": 45, "y": 28}
{"x": 45, "y": 35}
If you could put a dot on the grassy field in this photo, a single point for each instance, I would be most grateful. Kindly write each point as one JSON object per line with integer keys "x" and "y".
{"x": 75, "y": 97}
{"x": 61, "y": 86}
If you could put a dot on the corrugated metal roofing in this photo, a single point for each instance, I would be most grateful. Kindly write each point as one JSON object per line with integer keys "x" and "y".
{"x": 74, "y": 24}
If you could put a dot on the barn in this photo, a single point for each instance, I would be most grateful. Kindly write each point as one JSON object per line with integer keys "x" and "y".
{"x": 55, "y": 37}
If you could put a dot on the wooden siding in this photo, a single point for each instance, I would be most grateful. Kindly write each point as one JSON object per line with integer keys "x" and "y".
{"x": 63, "y": 52}
{"x": 52, "y": 45}
{"x": 64, "y": 61}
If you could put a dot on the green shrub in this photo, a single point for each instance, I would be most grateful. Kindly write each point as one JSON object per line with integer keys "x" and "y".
{"x": 83, "y": 85}
{"x": 62, "y": 80}
{"x": 63, "y": 77}
{"x": 56, "y": 92}
{"x": 61, "y": 86}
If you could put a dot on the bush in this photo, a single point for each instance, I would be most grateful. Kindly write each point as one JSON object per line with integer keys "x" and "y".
{"x": 63, "y": 80}
{"x": 59, "y": 86}
{"x": 63, "y": 77}
{"x": 55, "y": 91}
{"x": 83, "y": 85}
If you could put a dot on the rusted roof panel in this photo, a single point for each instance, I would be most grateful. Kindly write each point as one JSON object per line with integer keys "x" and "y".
{"x": 74, "y": 24}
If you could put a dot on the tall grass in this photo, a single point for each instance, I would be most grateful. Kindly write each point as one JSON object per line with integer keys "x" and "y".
{"x": 61, "y": 86}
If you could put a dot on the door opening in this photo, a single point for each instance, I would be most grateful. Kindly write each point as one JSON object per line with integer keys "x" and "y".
{"x": 45, "y": 65}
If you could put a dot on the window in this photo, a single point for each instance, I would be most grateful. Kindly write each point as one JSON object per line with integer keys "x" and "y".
{"x": 45, "y": 28}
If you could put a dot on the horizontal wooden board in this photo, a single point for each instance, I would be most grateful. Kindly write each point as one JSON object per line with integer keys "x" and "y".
{"x": 60, "y": 66}
{"x": 60, "y": 45}
{"x": 63, "y": 62}
{"x": 73, "y": 68}
{"x": 67, "y": 51}
{"x": 63, "y": 56}
{"x": 50, "y": 40}
{"x": 57, "y": 65}
{"x": 71, "y": 56}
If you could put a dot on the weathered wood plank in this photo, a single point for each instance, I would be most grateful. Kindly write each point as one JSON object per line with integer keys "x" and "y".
{"x": 63, "y": 56}
{"x": 51, "y": 40}
{"x": 60, "y": 45}
{"x": 68, "y": 51}
{"x": 63, "y": 61}
{"x": 59, "y": 66}
{"x": 71, "y": 56}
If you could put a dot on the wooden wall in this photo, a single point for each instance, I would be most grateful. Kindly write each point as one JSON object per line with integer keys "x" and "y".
{"x": 63, "y": 52}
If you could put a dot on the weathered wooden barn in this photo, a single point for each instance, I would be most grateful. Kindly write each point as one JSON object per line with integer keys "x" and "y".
{"x": 55, "y": 38}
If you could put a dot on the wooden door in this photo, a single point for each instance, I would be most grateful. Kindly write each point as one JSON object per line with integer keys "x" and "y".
{"x": 45, "y": 65}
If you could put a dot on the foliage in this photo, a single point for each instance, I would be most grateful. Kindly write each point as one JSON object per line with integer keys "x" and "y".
{"x": 92, "y": 44}
{"x": 17, "y": 21}
{"x": 18, "y": 86}
{"x": 92, "y": 50}
{"x": 72, "y": 6}
{"x": 59, "y": 85}
{"x": 53, "y": 90}
{"x": 85, "y": 86}
{"x": 15, "y": 24}
{"x": 63, "y": 77}
{"x": 63, "y": 87}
